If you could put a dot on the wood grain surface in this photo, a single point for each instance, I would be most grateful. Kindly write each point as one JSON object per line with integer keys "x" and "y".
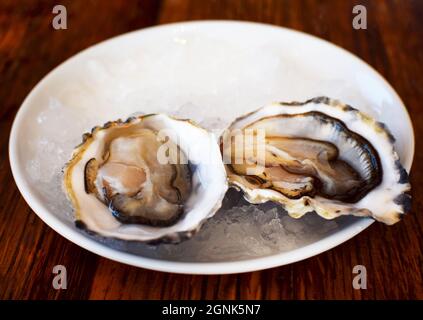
{"x": 30, "y": 47}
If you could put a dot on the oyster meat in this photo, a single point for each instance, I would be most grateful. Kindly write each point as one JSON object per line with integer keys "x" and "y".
{"x": 150, "y": 178}
{"x": 320, "y": 155}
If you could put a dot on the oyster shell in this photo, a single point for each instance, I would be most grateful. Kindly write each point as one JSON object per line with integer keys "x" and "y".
{"x": 320, "y": 155}
{"x": 151, "y": 178}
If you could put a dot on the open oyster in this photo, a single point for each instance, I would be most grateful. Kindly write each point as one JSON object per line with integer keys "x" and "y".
{"x": 320, "y": 155}
{"x": 149, "y": 178}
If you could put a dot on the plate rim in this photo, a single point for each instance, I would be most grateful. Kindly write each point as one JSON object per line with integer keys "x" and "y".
{"x": 184, "y": 267}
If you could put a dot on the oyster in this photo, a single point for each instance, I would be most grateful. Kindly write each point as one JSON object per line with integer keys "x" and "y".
{"x": 150, "y": 178}
{"x": 320, "y": 155}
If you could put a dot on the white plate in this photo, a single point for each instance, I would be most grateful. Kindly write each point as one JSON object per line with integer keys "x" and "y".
{"x": 210, "y": 71}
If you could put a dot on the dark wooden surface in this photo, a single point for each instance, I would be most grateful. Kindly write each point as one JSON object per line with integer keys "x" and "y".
{"x": 30, "y": 47}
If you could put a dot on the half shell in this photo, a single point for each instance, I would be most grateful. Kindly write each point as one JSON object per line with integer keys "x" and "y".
{"x": 320, "y": 155}
{"x": 120, "y": 188}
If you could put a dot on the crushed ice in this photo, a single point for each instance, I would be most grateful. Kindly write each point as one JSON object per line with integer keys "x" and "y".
{"x": 240, "y": 231}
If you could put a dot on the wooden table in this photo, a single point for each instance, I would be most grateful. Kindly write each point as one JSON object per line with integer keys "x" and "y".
{"x": 30, "y": 47}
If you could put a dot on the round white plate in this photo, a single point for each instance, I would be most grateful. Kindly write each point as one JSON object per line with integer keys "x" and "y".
{"x": 212, "y": 72}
